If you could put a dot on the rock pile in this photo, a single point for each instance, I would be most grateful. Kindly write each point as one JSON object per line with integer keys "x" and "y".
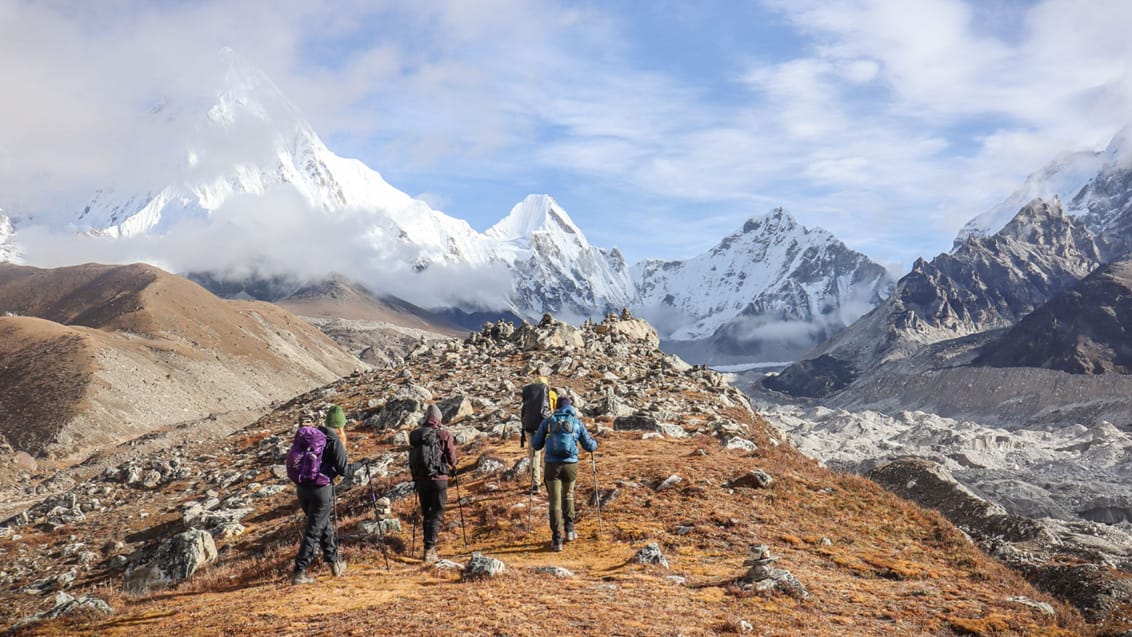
{"x": 762, "y": 576}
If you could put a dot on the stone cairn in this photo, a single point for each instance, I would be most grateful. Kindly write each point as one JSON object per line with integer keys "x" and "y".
{"x": 762, "y": 576}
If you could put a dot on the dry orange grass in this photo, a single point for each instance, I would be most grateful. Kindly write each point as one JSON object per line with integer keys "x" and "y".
{"x": 873, "y": 564}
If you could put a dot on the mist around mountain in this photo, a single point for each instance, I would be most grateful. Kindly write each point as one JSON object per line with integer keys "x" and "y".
{"x": 1085, "y": 179}
{"x": 770, "y": 292}
{"x": 247, "y": 176}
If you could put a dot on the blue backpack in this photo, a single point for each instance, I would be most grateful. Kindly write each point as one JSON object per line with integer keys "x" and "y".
{"x": 304, "y": 460}
{"x": 560, "y": 439}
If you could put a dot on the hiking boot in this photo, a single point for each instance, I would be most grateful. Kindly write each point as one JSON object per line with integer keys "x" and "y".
{"x": 338, "y": 568}
{"x": 300, "y": 576}
{"x": 571, "y": 535}
{"x": 430, "y": 555}
{"x": 556, "y": 544}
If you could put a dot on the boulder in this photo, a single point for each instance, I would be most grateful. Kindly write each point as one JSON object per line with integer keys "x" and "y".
{"x": 174, "y": 561}
{"x": 650, "y": 554}
{"x": 455, "y": 409}
{"x": 396, "y": 414}
{"x": 481, "y": 566}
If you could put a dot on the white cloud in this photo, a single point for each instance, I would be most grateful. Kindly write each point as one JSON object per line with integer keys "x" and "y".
{"x": 887, "y": 122}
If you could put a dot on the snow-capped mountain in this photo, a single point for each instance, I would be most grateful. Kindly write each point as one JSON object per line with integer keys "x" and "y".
{"x": 556, "y": 269}
{"x": 248, "y": 145}
{"x": 1087, "y": 180}
{"x": 772, "y": 281}
{"x": 253, "y": 140}
{"x": 9, "y": 251}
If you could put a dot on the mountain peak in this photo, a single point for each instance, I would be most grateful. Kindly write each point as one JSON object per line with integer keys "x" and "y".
{"x": 773, "y": 222}
{"x": 1034, "y": 223}
{"x": 535, "y": 213}
{"x": 248, "y": 91}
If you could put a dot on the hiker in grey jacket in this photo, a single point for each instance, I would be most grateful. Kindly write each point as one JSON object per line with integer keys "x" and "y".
{"x": 432, "y": 490}
{"x": 561, "y": 434}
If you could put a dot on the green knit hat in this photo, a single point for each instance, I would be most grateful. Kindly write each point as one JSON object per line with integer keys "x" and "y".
{"x": 335, "y": 418}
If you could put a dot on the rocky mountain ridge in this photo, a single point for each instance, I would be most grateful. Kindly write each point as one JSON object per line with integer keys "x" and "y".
{"x": 1088, "y": 180}
{"x": 985, "y": 284}
{"x": 1083, "y": 330}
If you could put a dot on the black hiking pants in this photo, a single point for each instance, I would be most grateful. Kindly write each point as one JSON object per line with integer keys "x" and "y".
{"x": 318, "y": 504}
{"x": 433, "y": 495}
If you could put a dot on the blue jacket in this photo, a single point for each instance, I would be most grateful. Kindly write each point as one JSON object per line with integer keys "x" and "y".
{"x": 582, "y": 437}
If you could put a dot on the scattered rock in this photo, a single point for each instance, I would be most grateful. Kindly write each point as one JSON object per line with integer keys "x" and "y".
{"x": 54, "y": 583}
{"x": 488, "y": 465}
{"x": 1042, "y": 607}
{"x": 65, "y": 604}
{"x": 741, "y": 444}
{"x": 650, "y": 554}
{"x": 756, "y": 479}
{"x": 556, "y": 571}
{"x": 668, "y": 482}
{"x": 481, "y": 566}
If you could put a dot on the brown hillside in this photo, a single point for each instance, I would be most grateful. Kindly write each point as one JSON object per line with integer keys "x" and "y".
{"x": 45, "y": 375}
{"x": 337, "y": 298}
{"x": 873, "y": 564}
{"x": 157, "y": 350}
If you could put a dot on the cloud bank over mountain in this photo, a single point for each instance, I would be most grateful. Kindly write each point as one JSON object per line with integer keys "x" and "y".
{"x": 886, "y": 123}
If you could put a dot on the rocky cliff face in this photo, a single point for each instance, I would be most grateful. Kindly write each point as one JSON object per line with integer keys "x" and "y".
{"x": 1083, "y": 330}
{"x": 987, "y": 283}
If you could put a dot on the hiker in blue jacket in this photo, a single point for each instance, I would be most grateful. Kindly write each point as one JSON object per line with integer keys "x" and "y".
{"x": 561, "y": 434}
{"x": 318, "y": 503}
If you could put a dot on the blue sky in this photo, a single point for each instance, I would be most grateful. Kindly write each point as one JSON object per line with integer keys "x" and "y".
{"x": 660, "y": 126}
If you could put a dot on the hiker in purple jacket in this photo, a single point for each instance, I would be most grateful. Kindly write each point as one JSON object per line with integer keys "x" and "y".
{"x": 432, "y": 489}
{"x": 318, "y": 503}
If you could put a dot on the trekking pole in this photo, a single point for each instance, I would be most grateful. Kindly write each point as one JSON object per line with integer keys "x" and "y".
{"x": 377, "y": 516}
{"x": 460, "y": 505}
{"x": 530, "y": 507}
{"x": 334, "y": 513}
{"x": 597, "y": 494}
{"x": 413, "y": 543}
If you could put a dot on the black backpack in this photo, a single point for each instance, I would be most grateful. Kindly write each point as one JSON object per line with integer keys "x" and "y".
{"x": 536, "y": 406}
{"x": 426, "y": 453}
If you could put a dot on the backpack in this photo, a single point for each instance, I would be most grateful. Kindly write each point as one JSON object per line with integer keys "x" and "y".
{"x": 560, "y": 440}
{"x": 304, "y": 460}
{"x": 426, "y": 453}
{"x": 536, "y": 406}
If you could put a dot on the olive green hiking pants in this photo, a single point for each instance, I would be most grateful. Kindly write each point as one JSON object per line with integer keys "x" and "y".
{"x": 560, "y": 481}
